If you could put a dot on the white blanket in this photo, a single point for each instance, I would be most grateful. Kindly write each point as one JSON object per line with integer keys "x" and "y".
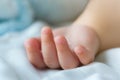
{"x": 14, "y": 64}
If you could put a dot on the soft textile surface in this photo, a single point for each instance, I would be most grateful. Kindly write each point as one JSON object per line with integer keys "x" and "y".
{"x": 58, "y": 11}
{"x": 16, "y": 15}
{"x": 14, "y": 64}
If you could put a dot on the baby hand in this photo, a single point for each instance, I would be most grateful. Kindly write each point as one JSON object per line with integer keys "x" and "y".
{"x": 52, "y": 50}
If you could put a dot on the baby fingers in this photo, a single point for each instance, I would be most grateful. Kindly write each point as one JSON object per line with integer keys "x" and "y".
{"x": 48, "y": 48}
{"x": 34, "y": 52}
{"x": 66, "y": 57}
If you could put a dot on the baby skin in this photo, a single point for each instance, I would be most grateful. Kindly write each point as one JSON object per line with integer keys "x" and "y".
{"x": 78, "y": 44}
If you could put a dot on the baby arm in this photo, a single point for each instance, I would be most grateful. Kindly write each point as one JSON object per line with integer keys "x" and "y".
{"x": 103, "y": 17}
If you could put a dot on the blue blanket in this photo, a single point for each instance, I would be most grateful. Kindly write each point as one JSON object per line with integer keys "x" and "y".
{"x": 15, "y": 15}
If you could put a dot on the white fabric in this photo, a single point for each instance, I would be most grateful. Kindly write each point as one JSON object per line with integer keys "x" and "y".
{"x": 14, "y": 64}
